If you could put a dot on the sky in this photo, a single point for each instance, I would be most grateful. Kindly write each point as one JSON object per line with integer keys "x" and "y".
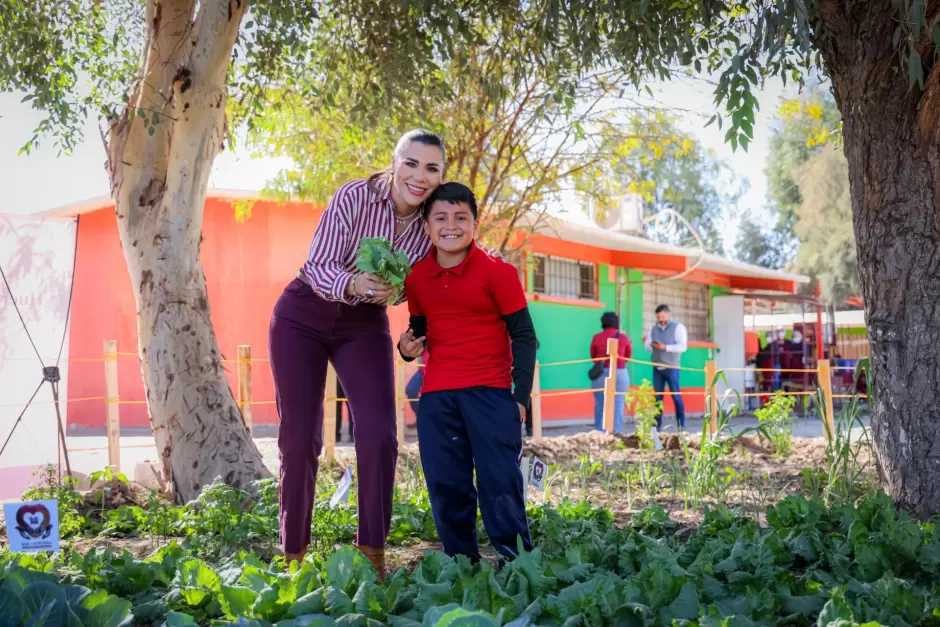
{"x": 44, "y": 180}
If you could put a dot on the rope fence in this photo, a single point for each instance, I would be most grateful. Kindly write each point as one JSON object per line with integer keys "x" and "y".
{"x": 110, "y": 355}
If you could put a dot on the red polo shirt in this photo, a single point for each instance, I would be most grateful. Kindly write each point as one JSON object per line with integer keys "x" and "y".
{"x": 468, "y": 344}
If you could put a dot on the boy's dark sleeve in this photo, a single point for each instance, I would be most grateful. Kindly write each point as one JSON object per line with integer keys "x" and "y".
{"x": 418, "y": 326}
{"x": 524, "y": 343}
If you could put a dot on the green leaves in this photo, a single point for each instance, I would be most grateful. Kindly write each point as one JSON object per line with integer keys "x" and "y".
{"x": 43, "y": 603}
{"x": 347, "y": 568}
{"x": 198, "y": 584}
{"x": 237, "y": 600}
{"x": 812, "y": 564}
{"x": 106, "y": 610}
{"x": 376, "y": 257}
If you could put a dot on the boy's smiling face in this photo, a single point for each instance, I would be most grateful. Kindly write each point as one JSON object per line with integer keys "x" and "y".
{"x": 451, "y": 226}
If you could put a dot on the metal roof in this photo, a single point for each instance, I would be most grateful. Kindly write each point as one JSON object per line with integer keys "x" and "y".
{"x": 602, "y": 238}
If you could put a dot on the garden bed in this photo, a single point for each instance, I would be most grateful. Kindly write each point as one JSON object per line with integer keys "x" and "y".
{"x": 625, "y": 535}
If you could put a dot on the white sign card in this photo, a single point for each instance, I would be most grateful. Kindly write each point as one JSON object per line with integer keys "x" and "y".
{"x": 524, "y": 468}
{"x": 657, "y": 443}
{"x": 32, "y": 525}
{"x": 342, "y": 490}
{"x": 537, "y": 473}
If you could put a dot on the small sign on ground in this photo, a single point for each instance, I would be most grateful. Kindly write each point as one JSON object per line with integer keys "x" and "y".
{"x": 32, "y": 525}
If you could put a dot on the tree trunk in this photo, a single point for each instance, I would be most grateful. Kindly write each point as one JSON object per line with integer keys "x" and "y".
{"x": 891, "y": 143}
{"x": 159, "y": 162}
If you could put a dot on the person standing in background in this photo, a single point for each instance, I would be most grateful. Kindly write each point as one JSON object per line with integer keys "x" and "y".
{"x": 775, "y": 340}
{"x": 666, "y": 342}
{"x": 750, "y": 383}
{"x": 610, "y": 325}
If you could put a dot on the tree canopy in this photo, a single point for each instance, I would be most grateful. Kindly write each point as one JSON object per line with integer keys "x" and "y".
{"x": 824, "y": 225}
{"x": 671, "y": 169}
{"x": 75, "y": 59}
{"x": 808, "y": 197}
{"x": 803, "y": 125}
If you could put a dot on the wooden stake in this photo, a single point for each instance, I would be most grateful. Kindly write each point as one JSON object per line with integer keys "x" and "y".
{"x": 400, "y": 402}
{"x": 244, "y": 384}
{"x": 112, "y": 408}
{"x": 536, "y": 406}
{"x": 711, "y": 392}
{"x": 610, "y": 385}
{"x": 329, "y": 416}
{"x": 824, "y": 375}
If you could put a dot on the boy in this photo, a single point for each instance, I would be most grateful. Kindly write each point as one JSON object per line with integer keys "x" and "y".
{"x": 471, "y": 310}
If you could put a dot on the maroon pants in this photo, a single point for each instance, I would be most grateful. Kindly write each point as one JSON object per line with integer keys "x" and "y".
{"x": 307, "y": 332}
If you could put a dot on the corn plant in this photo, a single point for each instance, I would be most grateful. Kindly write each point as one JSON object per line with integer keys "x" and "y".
{"x": 676, "y": 476}
{"x": 777, "y": 420}
{"x": 651, "y": 479}
{"x": 703, "y": 468}
{"x": 552, "y": 474}
{"x": 609, "y": 483}
{"x": 847, "y": 475}
{"x": 586, "y": 470}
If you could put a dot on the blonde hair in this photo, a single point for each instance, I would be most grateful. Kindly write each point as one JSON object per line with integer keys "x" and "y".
{"x": 380, "y": 181}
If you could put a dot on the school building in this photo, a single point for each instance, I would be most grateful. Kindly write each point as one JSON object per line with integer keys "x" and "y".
{"x": 572, "y": 274}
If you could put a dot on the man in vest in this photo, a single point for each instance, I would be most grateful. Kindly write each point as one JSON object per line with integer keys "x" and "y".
{"x": 666, "y": 342}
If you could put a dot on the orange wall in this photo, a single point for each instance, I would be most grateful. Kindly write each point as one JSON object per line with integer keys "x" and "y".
{"x": 246, "y": 265}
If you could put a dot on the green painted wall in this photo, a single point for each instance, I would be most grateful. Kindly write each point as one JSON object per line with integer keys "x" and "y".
{"x": 633, "y": 311}
{"x": 565, "y": 333}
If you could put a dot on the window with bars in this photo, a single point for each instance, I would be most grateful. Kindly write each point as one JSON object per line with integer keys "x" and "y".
{"x": 565, "y": 278}
{"x": 689, "y": 303}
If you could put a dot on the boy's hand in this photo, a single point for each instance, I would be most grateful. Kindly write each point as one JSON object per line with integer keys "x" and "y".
{"x": 521, "y": 412}
{"x": 409, "y": 346}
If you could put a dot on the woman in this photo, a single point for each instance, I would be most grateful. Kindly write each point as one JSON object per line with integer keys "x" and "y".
{"x": 610, "y": 325}
{"x": 333, "y": 313}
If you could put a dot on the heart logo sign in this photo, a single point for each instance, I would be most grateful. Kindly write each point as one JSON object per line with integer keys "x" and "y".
{"x": 32, "y": 525}
{"x": 32, "y": 521}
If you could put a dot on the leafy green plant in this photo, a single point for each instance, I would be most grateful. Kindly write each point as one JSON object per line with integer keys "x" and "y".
{"x": 52, "y": 486}
{"x": 812, "y": 563}
{"x": 107, "y": 475}
{"x": 777, "y": 420}
{"x": 376, "y": 257}
{"x": 642, "y": 403}
{"x": 220, "y": 520}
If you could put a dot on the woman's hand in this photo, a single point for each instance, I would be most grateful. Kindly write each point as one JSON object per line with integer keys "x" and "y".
{"x": 370, "y": 289}
{"x": 521, "y": 412}
{"x": 495, "y": 254}
{"x": 409, "y": 346}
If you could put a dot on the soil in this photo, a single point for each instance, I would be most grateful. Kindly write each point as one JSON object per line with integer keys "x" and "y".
{"x": 758, "y": 478}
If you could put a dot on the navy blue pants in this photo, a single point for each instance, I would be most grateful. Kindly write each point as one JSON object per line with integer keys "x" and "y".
{"x": 670, "y": 377}
{"x": 459, "y": 430}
